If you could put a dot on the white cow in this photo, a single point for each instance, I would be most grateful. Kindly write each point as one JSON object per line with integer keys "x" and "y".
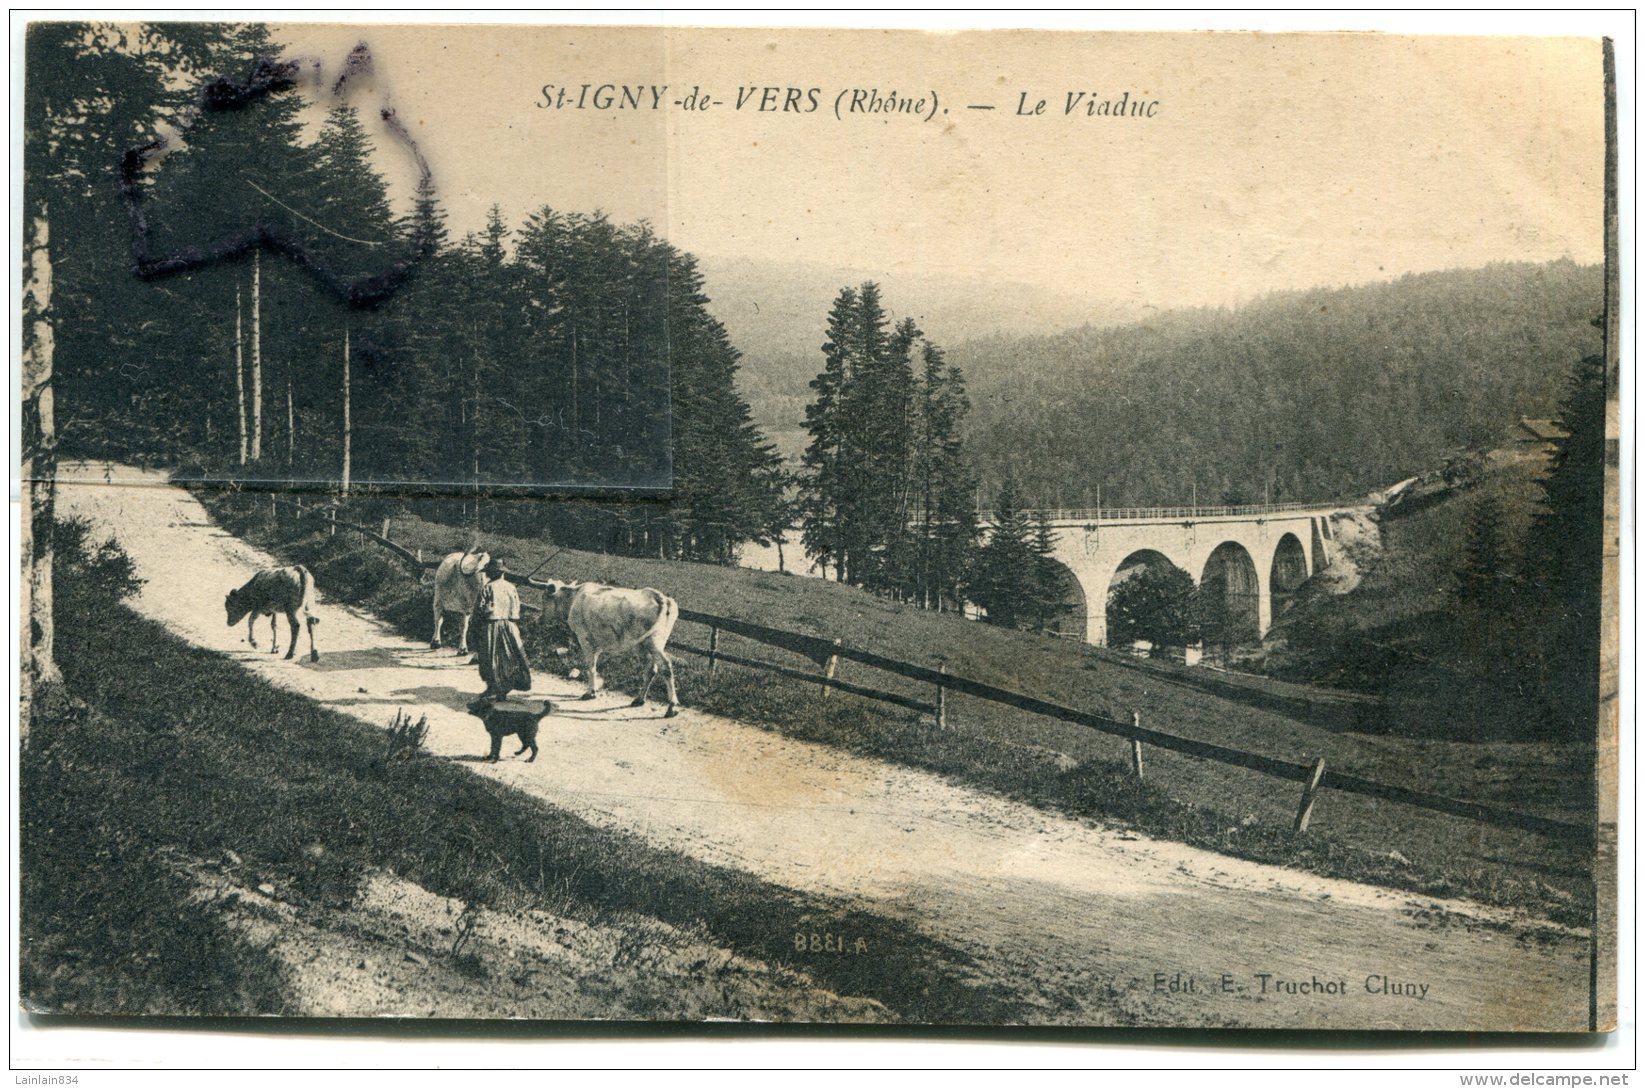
{"x": 457, "y": 585}
{"x": 610, "y": 620}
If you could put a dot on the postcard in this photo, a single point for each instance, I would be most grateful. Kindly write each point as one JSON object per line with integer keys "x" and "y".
{"x": 991, "y": 528}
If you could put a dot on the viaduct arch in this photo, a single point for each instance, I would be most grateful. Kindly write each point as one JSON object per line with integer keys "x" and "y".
{"x": 1257, "y": 555}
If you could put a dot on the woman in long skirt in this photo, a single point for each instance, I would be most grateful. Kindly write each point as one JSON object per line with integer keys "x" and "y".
{"x": 503, "y": 664}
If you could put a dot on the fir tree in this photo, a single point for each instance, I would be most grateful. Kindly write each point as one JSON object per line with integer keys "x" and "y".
{"x": 727, "y": 484}
{"x": 350, "y": 231}
{"x": 1045, "y": 600}
{"x": 860, "y": 414}
{"x": 887, "y": 403}
{"x": 1004, "y": 572}
{"x": 414, "y": 408}
{"x": 884, "y": 491}
{"x": 1484, "y": 577}
{"x": 950, "y": 485}
{"x": 823, "y": 507}
{"x": 1566, "y": 553}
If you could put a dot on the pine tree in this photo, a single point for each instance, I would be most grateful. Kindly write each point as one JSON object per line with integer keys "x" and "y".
{"x": 95, "y": 91}
{"x": 1566, "y": 553}
{"x": 951, "y": 484}
{"x": 1483, "y": 580}
{"x": 621, "y": 358}
{"x": 887, "y": 402}
{"x": 485, "y": 369}
{"x": 885, "y": 495}
{"x": 416, "y": 394}
{"x": 1045, "y": 603}
{"x": 232, "y": 182}
{"x": 727, "y": 482}
{"x": 1004, "y": 571}
{"x": 861, "y": 414}
{"x": 350, "y": 231}
{"x": 823, "y": 505}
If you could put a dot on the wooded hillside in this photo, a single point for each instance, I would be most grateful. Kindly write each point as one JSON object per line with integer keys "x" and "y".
{"x": 274, "y": 315}
{"x": 1314, "y": 394}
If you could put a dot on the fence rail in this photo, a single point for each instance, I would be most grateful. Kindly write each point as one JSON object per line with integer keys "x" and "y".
{"x": 1312, "y": 774}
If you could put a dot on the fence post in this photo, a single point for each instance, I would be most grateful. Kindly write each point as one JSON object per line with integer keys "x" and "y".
{"x": 1136, "y": 746}
{"x": 331, "y": 520}
{"x": 942, "y": 696}
{"x": 713, "y": 647}
{"x": 831, "y": 668}
{"x": 385, "y": 530}
{"x": 273, "y": 510}
{"x": 1306, "y": 810}
{"x": 419, "y": 554}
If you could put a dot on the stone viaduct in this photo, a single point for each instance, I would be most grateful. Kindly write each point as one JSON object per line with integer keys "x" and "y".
{"x": 1257, "y": 554}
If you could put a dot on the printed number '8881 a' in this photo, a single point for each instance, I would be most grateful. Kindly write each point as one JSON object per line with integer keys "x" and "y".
{"x": 819, "y": 942}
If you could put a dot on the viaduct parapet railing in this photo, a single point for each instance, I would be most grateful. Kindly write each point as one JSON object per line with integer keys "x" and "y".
{"x": 1312, "y": 774}
{"x": 1164, "y": 514}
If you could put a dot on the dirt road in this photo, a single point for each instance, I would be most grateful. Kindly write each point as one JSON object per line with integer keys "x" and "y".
{"x": 1083, "y": 924}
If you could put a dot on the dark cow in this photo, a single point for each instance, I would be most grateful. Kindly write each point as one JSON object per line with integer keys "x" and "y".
{"x": 610, "y": 620}
{"x": 288, "y": 590}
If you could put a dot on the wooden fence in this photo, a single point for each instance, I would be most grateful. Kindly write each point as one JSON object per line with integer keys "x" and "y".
{"x": 1313, "y": 775}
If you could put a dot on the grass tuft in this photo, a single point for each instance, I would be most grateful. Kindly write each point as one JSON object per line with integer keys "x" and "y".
{"x": 405, "y": 738}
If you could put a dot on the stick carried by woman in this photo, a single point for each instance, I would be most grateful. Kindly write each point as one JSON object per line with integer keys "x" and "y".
{"x": 503, "y": 664}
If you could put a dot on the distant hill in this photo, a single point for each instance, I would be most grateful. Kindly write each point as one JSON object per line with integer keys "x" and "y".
{"x": 1313, "y": 394}
{"x": 775, "y": 310}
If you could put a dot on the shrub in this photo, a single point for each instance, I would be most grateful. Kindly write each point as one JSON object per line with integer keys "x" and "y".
{"x": 405, "y": 738}
{"x": 104, "y": 571}
{"x": 1155, "y": 603}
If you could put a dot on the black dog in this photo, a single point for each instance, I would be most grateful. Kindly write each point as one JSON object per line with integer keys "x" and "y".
{"x": 503, "y": 721}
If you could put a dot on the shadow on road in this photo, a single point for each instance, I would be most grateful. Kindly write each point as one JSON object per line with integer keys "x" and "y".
{"x": 369, "y": 658}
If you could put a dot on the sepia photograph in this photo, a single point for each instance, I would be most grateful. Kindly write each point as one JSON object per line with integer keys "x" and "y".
{"x": 990, "y": 528}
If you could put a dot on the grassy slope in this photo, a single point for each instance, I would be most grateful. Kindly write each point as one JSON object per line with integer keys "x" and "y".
{"x": 1028, "y": 757}
{"x": 1401, "y": 632}
{"x": 177, "y": 754}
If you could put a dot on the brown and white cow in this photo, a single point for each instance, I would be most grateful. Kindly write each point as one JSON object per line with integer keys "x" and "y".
{"x": 457, "y": 585}
{"x": 610, "y": 620}
{"x": 288, "y": 590}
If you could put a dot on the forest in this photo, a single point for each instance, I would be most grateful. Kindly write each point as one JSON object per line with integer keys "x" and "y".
{"x": 1312, "y": 395}
{"x": 236, "y": 295}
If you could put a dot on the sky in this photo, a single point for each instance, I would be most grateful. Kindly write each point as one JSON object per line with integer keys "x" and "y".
{"x": 1271, "y": 161}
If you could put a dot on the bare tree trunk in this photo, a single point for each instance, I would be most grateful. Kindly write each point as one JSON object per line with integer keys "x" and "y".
{"x": 576, "y": 402}
{"x": 240, "y": 373}
{"x": 39, "y": 469}
{"x": 291, "y": 422}
{"x": 474, "y": 422}
{"x": 348, "y": 421}
{"x": 257, "y": 355}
